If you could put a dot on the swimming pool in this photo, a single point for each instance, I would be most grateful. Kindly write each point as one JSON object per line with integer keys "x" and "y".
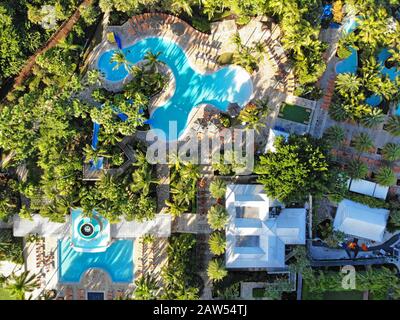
{"x": 117, "y": 261}
{"x": 231, "y": 84}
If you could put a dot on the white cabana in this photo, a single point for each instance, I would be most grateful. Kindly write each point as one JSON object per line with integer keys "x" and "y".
{"x": 361, "y": 221}
{"x": 255, "y": 238}
{"x": 160, "y": 226}
{"x": 368, "y": 188}
{"x": 41, "y": 226}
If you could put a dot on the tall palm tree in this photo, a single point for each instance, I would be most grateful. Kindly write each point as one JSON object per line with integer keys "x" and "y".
{"x": 386, "y": 177}
{"x": 179, "y": 6}
{"x": 362, "y": 142}
{"x": 120, "y": 59}
{"x": 391, "y": 152}
{"x": 146, "y": 288}
{"x": 20, "y": 285}
{"x": 356, "y": 169}
{"x": 176, "y": 209}
{"x": 218, "y": 188}
{"x": 152, "y": 60}
{"x": 373, "y": 119}
{"x": 334, "y": 136}
{"x": 217, "y": 217}
{"x": 348, "y": 84}
{"x": 216, "y": 270}
{"x": 142, "y": 180}
{"x": 393, "y": 125}
{"x": 338, "y": 112}
{"x": 217, "y": 243}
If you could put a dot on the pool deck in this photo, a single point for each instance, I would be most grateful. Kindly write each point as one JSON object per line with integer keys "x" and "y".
{"x": 273, "y": 78}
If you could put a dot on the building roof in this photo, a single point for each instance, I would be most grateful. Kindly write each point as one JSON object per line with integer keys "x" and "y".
{"x": 256, "y": 239}
{"x": 368, "y": 188}
{"x": 361, "y": 221}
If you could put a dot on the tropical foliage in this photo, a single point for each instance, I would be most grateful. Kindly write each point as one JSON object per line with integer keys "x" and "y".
{"x": 178, "y": 275}
{"x": 217, "y": 217}
{"x": 300, "y": 166}
{"x": 216, "y": 270}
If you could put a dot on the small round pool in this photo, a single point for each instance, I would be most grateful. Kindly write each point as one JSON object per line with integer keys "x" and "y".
{"x": 89, "y": 228}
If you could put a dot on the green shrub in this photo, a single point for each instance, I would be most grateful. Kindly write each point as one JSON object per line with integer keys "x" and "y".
{"x": 10, "y": 247}
{"x": 201, "y": 24}
{"x": 225, "y": 58}
{"x": 343, "y": 52}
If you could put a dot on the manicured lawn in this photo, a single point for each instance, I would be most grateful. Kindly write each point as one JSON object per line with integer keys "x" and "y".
{"x": 295, "y": 113}
{"x": 5, "y": 295}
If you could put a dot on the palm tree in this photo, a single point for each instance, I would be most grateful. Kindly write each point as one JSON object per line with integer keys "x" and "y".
{"x": 217, "y": 243}
{"x": 178, "y": 6}
{"x": 176, "y": 209}
{"x": 217, "y": 188}
{"x": 217, "y": 217}
{"x": 362, "y": 142}
{"x": 237, "y": 41}
{"x": 152, "y": 60}
{"x": 393, "y": 125}
{"x": 19, "y": 285}
{"x": 348, "y": 84}
{"x": 120, "y": 59}
{"x": 92, "y": 154}
{"x": 216, "y": 270}
{"x": 338, "y": 112}
{"x": 386, "y": 177}
{"x": 356, "y": 169}
{"x": 334, "y": 136}
{"x": 373, "y": 119}
{"x": 142, "y": 180}
{"x": 146, "y": 288}
{"x": 391, "y": 152}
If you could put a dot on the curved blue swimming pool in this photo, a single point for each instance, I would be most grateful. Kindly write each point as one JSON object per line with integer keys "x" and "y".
{"x": 231, "y": 84}
{"x": 117, "y": 261}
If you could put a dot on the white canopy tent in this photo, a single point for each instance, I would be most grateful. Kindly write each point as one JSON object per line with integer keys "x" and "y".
{"x": 368, "y": 188}
{"x": 361, "y": 221}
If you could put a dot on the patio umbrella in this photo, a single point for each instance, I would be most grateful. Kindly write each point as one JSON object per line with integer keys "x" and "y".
{"x": 178, "y": 29}
{"x": 233, "y": 109}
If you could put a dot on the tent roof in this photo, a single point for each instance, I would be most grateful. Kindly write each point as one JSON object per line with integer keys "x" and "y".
{"x": 368, "y": 188}
{"x": 359, "y": 220}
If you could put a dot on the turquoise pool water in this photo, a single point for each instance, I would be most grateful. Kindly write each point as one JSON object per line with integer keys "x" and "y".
{"x": 230, "y": 84}
{"x": 98, "y": 239}
{"x": 117, "y": 261}
{"x": 350, "y": 64}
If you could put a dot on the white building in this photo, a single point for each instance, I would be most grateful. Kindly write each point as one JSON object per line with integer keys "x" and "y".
{"x": 361, "y": 221}
{"x": 259, "y": 228}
